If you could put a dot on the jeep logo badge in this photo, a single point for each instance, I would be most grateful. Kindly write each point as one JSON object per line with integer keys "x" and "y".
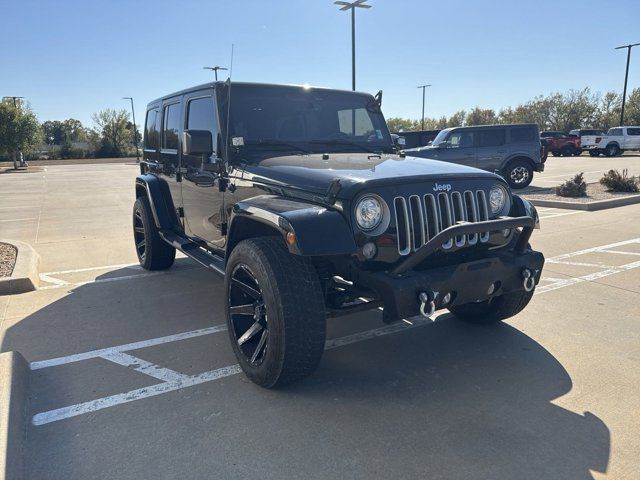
{"x": 443, "y": 187}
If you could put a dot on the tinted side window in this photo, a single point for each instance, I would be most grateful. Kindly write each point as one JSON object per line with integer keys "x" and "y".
{"x": 171, "y": 126}
{"x": 491, "y": 138}
{"x": 201, "y": 115}
{"x": 523, "y": 134}
{"x": 151, "y": 131}
{"x": 615, "y": 132}
{"x": 633, "y": 131}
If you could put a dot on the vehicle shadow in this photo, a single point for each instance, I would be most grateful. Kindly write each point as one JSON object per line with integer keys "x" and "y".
{"x": 446, "y": 400}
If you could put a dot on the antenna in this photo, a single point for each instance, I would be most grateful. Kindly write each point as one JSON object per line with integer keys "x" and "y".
{"x": 226, "y": 148}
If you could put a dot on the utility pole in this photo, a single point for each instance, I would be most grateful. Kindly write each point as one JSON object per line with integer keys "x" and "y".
{"x": 135, "y": 129}
{"x": 626, "y": 77}
{"x": 352, "y": 6}
{"x": 423, "y": 87}
{"x": 215, "y": 70}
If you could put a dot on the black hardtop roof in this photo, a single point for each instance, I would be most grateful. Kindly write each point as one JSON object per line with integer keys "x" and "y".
{"x": 208, "y": 85}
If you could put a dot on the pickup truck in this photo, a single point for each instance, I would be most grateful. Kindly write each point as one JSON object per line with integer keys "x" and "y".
{"x": 618, "y": 140}
{"x": 589, "y": 138}
{"x": 559, "y": 143}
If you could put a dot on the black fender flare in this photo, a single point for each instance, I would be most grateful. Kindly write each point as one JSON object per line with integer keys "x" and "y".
{"x": 159, "y": 195}
{"x": 518, "y": 156}
{"x": 522, "y": 207}
{"x": 317, "y": 230}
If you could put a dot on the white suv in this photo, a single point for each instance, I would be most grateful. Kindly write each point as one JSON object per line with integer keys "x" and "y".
{"x": 619, "y": 139}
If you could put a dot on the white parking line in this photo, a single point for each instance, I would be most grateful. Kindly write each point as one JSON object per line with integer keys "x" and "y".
{"x": 554, "y": 215}
{"x": 173, "y": 380}
{"x": 19, "y": 219}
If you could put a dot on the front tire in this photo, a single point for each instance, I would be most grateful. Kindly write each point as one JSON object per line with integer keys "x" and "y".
{"x": 612, "y": 150}
{"x": 519, "y": 174}
{"x": 568, "y": 151}
{"x": 153, "y": 252}
{"x": 275, "y": 312}
{"x": 493, "y": 310}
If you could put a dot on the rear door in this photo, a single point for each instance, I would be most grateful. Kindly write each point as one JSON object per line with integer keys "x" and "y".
{"x": 169, "y": 158}
{"x": 491, "y": 148}
{"x": 633, "y": 138}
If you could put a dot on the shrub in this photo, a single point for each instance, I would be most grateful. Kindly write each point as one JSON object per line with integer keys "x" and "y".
{"x": 615, "y": 181}
{"x": 575, "y": 187}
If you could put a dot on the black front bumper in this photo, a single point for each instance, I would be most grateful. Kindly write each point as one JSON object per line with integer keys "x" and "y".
{"x": 498, "y": 273}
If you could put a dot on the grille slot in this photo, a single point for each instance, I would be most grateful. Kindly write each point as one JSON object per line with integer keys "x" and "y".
{"x": 418, "y": 221}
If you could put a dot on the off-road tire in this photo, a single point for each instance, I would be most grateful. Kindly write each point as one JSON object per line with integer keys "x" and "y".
{"x": 497, "y": 309}
{"x": 612, "y": 150}
{"x": 157, "y": 254}
{"x": 518, "y": 164}
{"x": 295, "y": 311}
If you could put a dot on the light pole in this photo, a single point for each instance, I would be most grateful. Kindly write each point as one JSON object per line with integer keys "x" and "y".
{"x": 352, "y": 6}
{"x": 135, "y": 129}
{"x": 626, "y": 76}
{"x": 423, "y": 87}
{"x": 215, "y": 70}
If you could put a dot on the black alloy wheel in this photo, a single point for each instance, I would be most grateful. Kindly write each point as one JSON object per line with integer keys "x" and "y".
{"x": 249, "y": 320}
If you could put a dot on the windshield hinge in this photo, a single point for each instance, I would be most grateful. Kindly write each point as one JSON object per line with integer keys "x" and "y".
{"x": 332, "y": 191}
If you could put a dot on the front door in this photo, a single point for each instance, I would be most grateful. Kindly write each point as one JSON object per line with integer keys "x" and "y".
{"x": 202, "y": 200}
{"x": 459, "y": 149}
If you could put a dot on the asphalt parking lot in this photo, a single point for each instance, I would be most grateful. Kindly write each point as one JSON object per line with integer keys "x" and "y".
{"x": 132, "y": 375}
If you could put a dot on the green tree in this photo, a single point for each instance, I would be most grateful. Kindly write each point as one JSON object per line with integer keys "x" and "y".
{"x": 67, "y": 131}
{"x": 632, "y": 108}
{"x": 481, "y": 116}
{"x": 114, "y": 132}
{"x": 19, "y": 129}
{"x": 608, "y": 114}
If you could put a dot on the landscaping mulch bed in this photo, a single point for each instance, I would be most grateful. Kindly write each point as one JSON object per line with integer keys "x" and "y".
{"x": 595, "y": 192}
{"x": 8, "y": 254}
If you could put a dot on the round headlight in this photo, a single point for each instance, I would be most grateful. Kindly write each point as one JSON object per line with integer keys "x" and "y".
{"x": 498, "y": 199}
{"x": 369, "y": 213}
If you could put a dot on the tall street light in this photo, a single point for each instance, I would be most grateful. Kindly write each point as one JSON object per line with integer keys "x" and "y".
{"x": 352, "y": 6}
{"x": 215, "y": 70}
{"x": 135, "y": 128}
{"x": 15, "y": 105}
{"x": 423, "y": 87}
{"x": 626, "y": 76}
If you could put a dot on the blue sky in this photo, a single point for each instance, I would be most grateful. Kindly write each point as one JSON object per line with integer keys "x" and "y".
{"x": 72, "y": 58}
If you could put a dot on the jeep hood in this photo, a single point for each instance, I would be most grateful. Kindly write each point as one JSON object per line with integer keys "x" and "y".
{"x": 354, "y": 171}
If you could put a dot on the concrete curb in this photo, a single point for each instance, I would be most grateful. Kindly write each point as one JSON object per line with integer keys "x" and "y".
{"x": 24, "y": 277}
{"x": 590, "y": 206}
{"x": 14, "y": 387}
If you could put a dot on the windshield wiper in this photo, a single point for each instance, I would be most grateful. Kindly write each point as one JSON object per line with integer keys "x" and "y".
{"x": 343, "y": 142}
{"x": 277, "y": 143}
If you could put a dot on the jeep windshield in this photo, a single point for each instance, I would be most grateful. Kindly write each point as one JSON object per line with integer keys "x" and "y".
{"x": 267, "y": 120}
{"x": 440, "y": 137}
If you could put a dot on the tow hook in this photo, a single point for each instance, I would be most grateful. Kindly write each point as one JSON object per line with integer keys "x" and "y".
{"x": 427, "y": 302}
{"x": 528, "y": 281}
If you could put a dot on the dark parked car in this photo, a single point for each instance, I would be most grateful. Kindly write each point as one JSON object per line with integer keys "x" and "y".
{"x": 298, "y": 197}
{"x": 513, "y": 150}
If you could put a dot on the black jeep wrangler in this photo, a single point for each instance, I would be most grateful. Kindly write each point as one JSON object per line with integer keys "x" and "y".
{"x": 299, "y": 197}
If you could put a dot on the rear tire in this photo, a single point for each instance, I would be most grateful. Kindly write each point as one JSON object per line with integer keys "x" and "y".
{"x": 277, "y": 326}
{"x": 519, "y": 174}
{"x": 493, "y": 310}
{"x": 153, "y": 252}
{"x": 556, "y": 153}
{"x": 594, "y": 153}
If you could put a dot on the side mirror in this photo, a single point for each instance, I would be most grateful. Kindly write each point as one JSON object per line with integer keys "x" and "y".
{"x": 197, "y": 142}
{"x": 400, "y": 141}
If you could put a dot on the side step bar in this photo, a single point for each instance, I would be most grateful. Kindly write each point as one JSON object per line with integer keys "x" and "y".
{"x": 195, "y": 251}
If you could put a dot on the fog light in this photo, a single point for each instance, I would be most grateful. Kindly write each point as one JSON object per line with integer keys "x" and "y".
{"x": 369, "y": 250}
{"x": 506, "y": 232}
